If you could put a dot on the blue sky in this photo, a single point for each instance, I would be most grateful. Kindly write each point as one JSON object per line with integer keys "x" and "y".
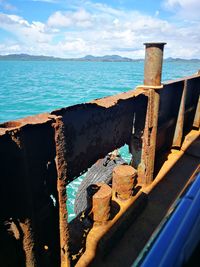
{"x": 75, "y": 28}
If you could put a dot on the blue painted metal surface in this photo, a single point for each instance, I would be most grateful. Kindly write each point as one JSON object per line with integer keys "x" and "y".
{"x": 180, "y": 235}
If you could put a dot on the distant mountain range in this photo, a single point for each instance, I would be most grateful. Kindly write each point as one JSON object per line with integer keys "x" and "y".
{"x": 182, "y": 59}
{"x": 89, "y": 58}
{"x": 26, "y": 57}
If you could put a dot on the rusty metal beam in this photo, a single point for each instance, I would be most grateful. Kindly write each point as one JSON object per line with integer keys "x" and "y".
{"x": 61, "y": 165}
{"x": 196, "y": 122}
{"x": 178, "y": 135}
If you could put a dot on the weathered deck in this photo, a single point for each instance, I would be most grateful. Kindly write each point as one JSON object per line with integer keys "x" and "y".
{"x": 125, "y": 251}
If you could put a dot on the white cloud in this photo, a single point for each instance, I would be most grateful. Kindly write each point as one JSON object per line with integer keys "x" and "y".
{"x": 7, "y": 6}
{"x": 99, "y": 29}
{"x": 27, "y": 33}
{"x": 65, "y": 19}
{"x": 10, "y": 48}
{"x": 186, "y": 9}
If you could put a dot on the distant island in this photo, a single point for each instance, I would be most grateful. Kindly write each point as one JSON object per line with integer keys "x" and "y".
{"x": 26, "y": 57}
{"x": 88, "y": 58}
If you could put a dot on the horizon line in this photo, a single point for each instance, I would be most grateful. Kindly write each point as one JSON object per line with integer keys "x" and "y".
{"x": 89, "y": 55}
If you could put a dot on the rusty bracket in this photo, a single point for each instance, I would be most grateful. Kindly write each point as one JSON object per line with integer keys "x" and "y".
{"x": 147, "y": 87}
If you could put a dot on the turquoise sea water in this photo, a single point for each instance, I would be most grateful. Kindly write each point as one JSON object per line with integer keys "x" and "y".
{"x": 31, "y": 87}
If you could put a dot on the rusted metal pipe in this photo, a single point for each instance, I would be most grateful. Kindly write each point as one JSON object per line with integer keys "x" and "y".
{"x": 153, "y": 63}
{"x": 101, "y": 203}
{"x": 124, "y": 177}
{"x": 152, "y": 82}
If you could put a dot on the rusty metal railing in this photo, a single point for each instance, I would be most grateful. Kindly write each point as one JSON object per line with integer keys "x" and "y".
{"x": 40, "y": 155}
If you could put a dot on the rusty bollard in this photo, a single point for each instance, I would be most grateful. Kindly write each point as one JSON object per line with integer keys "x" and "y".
{"x": 101, "y": 203}
{"x": 124, "y": 177}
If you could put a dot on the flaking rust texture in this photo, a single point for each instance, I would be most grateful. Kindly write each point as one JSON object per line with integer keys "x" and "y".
{"x": 28, "y": 243}
{"x": 29, "y": 219}
{"x": 24, "y": 220}
{"x": 110, "y": 101}
{"x": 146, "y": 165}
{"x": 61, "y": 165}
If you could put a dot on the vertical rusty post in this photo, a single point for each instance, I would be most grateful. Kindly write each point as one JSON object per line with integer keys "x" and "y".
{"x": 152, "y": 82}
{"x": 178, "y": 135}
{"x": 61, "y": 166}
{"x": 153, "y": 64}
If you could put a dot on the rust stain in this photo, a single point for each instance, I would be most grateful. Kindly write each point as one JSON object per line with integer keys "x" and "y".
{"x": 17, "y": 124}
{"x": 28, "y": 243}
{"x": 113, "y": 100}
{"x": 146, "y": 167}
{"x": 25, "y": 222}
{"x": 15, "y": 137}
{"x": 13, "y": 229}
{"x": 153, "y": 135}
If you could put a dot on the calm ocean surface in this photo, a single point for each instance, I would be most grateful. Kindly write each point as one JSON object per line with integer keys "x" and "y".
{"x": 32, "y": 87}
